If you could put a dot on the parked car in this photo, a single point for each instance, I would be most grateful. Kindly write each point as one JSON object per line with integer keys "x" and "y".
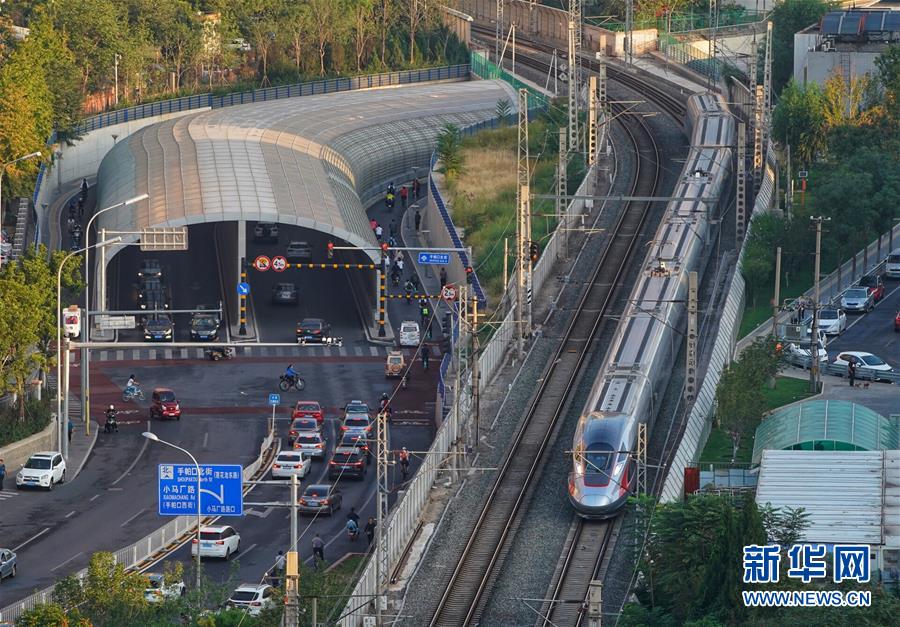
{"x": 217, "y": 541}
{"x": 289, "y": 463}
{"x": 150, "y": 268}
{"x": 347, "y": 462}
{"x": 252, "y": 597}
{"x": 409, "y": 333}
{"x": 863, "y": 360}
{"x": 285, "y": 294}
{"x": 892, "y": 265}
{"x": 311, "y": 330}
{"x": 158, "y": 590}
{"x": 832, "y": 321}
{"x": 351, "y": 439}
{"x": 799, "y": 353}
{"x": 875, "y": 285}
{"x": 159, "y": 328}
{"x": 298, "y": 252}
{"x": 42, "y": 470}
{"x": 310, "y": 442}
{"x": 164, "y": 404}
{"x": 304, "y": 424}
{"x": 265, "y": 232}
{"x": 311, "y": 409}
{"x": 7, "y": 563}
{"x": 320, "y": 497}
{"x": 857, "y": 300}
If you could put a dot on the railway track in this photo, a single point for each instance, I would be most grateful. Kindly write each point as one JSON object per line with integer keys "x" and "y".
{"x": 464, "y": 596}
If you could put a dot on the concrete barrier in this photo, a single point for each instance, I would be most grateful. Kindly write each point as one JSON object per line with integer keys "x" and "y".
{"x": 16, "y": 454}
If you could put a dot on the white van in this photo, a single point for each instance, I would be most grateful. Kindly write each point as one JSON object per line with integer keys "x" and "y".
{"x": 892, "y": 265}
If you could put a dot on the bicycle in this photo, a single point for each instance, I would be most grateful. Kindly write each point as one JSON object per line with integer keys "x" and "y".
{"x": 131, "y": 394}
{"x": 285, "y": 383}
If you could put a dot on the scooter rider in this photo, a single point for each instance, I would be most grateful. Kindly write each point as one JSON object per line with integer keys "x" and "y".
{"x": 111, "y": 423}
{"x": 409, "y": 290}
{"x": 290, "y": 373}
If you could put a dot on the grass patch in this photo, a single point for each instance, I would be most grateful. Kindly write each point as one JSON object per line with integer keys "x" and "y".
{"x": 333, "y": 588}
{"x": 718, "y": 446}
{"x": 37, "y": 416}
{"x": 759, "y": 309}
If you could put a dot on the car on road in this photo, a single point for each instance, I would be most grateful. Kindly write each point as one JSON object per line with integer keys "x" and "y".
{"x": 862, "y": 360}
{"x": 395, "y": 365}
{"x": 298, "y": 251}
{"x": 164, "y": 404}
{"x": 205, "y": 323}
{"x": 875, "y": 285}
{"x": 152, "y": 294}
{"x": 42, "y": 470}
{"x": 252, "y": 597}
{"x": 310, "y": 442}
{"x": 799, "y": 353}
{"x": 290, "y": 463}
{"x": 265, "y": 232}
{"x": 311, "y": 409}
{"x": 320, "y": 497}
{"x": 359, "y": 442}
{"x": 347, "y": 462}
{"x": 285, "y": 294}
{"x": 304, "y": 424}
{"x": 158, "y": 328}
{"x": 892, "y": 265}
{"x": 832, "y": 321}
{"x": 7, "y": 563}
{"x": 357, "y": 423}
{"x": 355, "y": 407}
{"x": 217, "y": 541}
{"x": 857, "y": 300}
{"x": 311, "y": 330}
{"x": 409, "y": 333}
{"x": 150, "y": 268}
{"x": 897, "y": 322}
{"x": 158, "y": 590}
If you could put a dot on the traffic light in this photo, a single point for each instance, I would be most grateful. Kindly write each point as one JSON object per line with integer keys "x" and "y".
{"x": 470, "y": 274}
{"x": 330, "y": 250}
{"x": 534, "y": 251}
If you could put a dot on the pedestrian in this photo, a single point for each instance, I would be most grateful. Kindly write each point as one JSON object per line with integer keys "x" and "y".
{"x": 399, "y": 265}
{"x": 423, "y": 311}
{"x": 418, "y": 220}
{"x": 71, "y": 429}
{"x": 373, "y": 223}
{"x": 279, "y": 569}
{"x": 801, "y": 309}
{"x": 443, "y": 278}
{"x": 2, "y": 472}
{"x": 851, "y": 372}
{"x": 370, "y": 529}
{"x": 425, "y": 355}
{"x": 404, "y": 194}
{"x": 392, "y": 228}
{"x": 318, "y": 546}
{"x": 353, "y": 515}
{"x": 387, "y": 263}
{"x": 416, "y": 188}
{"x": 378, "y": 232}
{"x": 84, "y": 188}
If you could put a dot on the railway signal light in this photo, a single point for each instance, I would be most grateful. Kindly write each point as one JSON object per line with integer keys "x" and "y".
{"x": 470, "y": 274}
{"x": 534, "y": 251}
{"x": 331, "y": 250}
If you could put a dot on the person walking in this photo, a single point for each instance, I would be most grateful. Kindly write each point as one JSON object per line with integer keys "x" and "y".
{"x": 416, "y": 188}
{"x": 318, "y": 546}
{"x": 418, "y": 220}
{"x": 2, "y": 472}
{"x": 84, "y": 188}
{"x": 851, "y": 372}
{"x": 399, "y": 265}
{"x": 443, "y": 278}
{"x": 373, "y": 223}
{"x": 370, "y": 529}
{"x": 404, "y": 194}
{"x": 801, "y": 310}
{"x": 378, "y": 232}
{"x": 425, "y": 355}
{"x": 71, "y": 429}
{"x": 423, "y": 311}
{"x": 278, "y": 571}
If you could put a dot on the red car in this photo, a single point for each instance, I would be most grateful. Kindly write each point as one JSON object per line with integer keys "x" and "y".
{"x": 875, "y": 284}
{"x": 309, "y": 408}
{"x": 163, "y": 404}
{"x": 897, "y": 322}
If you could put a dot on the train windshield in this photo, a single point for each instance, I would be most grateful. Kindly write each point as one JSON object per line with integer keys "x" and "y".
{"x": 598, "y": 463}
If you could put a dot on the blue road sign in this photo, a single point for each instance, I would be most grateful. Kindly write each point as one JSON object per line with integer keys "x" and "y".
{"x": 274, "y": 399}
{"x": 243, "y": 289}
{"x": 220, "y": 490}
{"x": 434, "y": 259}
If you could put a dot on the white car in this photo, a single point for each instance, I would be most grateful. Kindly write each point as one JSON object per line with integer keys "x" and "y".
{"x": 219, "y": 541}
{"x": 253, "y": 597}
{"x": 42, "y": 470}
{"x": 290, "y": 463}
{"x": 158, "y": 591}
{"x": 832, "y": 321}
{"x": 311, "y": 443}
{"x": 799, "y": 353}
{"x": 863, "y": 360}
{"x": 409, "y": 333}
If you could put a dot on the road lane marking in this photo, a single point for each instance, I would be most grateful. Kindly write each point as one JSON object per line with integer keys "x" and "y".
{"x": 243, "y": 553}
{"x": 32, "y": 538}
{"x": 136, "y": 459}
{"x": 70, "y": 514}
{"x": 7, "y": 494}
{"x": 55, "y": 568}
{"x": 205, "y": 439}
{"x": 95, "y": 497}
{"x": 142, "y": 510}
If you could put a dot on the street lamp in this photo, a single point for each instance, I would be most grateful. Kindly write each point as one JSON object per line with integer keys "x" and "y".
{"x": 63, "y": 439}
{"x": 3, "y": 167}
{"x": 153, "y": 438}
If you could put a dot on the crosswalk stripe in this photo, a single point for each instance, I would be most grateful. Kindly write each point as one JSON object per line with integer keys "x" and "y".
{"x": 358, "y": 350}
{"x": 342, "y": 351}
{"x": 374, "y": 351}
{"x": 135, "y": 354}
{"x": 168, "y": 353}
{"x": 104, "y": 355}
{"x": 120, "y": 355}
{"x": 183, "y": 353}
{"x": 198, "y": 352}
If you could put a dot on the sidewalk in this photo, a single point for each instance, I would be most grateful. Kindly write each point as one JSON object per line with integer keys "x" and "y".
{"x": 879, "y": 397}
{"x": 81, "y": 444}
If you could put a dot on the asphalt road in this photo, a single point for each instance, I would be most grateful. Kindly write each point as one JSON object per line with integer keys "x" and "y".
{"x": 873, "y": 332}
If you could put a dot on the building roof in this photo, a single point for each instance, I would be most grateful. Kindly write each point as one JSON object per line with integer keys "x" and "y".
{"x": 841, "y": 491}
{"x": 825, "y": 425}
{"x": 312, "y": 161}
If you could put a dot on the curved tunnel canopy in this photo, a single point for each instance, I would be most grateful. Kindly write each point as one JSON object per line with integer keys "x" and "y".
{"x": 311, "y": 161}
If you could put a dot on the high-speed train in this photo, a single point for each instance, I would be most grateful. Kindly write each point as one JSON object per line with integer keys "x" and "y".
{"x": 639, "y": 361}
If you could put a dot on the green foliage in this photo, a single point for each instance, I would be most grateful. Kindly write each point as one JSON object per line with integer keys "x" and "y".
{"x": 36, "y": 418}
{"x": 47, "y": 615}
{"x": 888, "y": 64}
{"x": 449, "y": 144}
{"x": 798, "y": 120}
{"x": 504, "y": 108}
{"x": 789, "y": 17}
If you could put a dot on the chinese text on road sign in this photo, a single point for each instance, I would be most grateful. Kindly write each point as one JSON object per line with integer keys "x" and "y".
{"x": 434, "y": 259}
{"x": 220, "y": 490}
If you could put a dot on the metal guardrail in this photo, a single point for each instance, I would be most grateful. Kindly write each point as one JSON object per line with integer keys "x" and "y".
{"x": 141, "y": 550}
{"x": 863, "y": 373}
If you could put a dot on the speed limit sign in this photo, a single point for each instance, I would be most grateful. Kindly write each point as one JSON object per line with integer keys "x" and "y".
{"x": 448, "y": 292}
{"x": 279, "y": 264}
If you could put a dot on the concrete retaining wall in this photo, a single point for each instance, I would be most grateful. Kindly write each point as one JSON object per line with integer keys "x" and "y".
{"x": 16, "y": 454}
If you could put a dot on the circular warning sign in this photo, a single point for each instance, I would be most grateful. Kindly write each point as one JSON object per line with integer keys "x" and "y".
{"x": 262, "y": 263}
{"x": 448, "y": 292}
{"x": 279, "y": 264}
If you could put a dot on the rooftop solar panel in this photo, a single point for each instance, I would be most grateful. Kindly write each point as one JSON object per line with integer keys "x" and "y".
{"x": 851, "y": 24}
{"x": 831, "y": 23}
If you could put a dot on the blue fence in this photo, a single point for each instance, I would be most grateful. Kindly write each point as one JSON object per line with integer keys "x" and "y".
{"x": 325, "y": 86}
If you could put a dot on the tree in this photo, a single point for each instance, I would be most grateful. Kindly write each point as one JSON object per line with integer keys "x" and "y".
{"x": 504, "y": 107}
{"x": 260, "y": 21}
{"x": 888, "y": 65}
{"x": 95, "y": 33}
{"x": 364, "y": 23}
{"x": 20, "y": 307}
{"x": 327, "y": 20}
{"x": 48, "y": 615}
{"x": 784, "y": 526}
{"x": 449, "y": 150}
{"x": 843, "y": 101}
{"x": 799, "y": 122}
{"x": 788, "y": 17}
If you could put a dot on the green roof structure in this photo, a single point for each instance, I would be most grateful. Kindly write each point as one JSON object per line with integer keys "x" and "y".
{"x": 826, "y": 425}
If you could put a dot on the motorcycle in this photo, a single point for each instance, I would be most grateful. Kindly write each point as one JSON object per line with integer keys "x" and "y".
{"x": 215, "y": 354}
{"x": 389, "y": 201}
{"x": 111, "y": 425}
{"x": 285, "y": 383}
{"x": 132, "y": 394}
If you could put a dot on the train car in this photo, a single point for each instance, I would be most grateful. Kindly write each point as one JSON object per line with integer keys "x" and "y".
{"x": 639, "y": 362}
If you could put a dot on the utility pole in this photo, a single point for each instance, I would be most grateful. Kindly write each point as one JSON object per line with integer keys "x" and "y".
{"x": 292, "y": 571}
{"x": 523, "y": 226}
{"x": 690, "y": 375}
{"x": 814, "y": 339}
{"x": 592, "y": 121}
{"x": 740, "y": 221}
{"x": 767, "y": 90}
{"x": 498, "y": 31}
{"x": 381, "y": 553}
{"x": 595, "y": 603}
{"x": 573, "y": 90}
{"x": 640, "y": 455}
{"x": 562, "y": 185}
{"x": 601, "y": 86}
{"x": 512, "y": 31}
{"x": 789, "y": 189}
{"x": 476, "y": 373}
{"x": 575, "y": 14}
{"x": 116, "y": 58}
{"x": 776, "y": 304}
{"x": 629, "y": 32}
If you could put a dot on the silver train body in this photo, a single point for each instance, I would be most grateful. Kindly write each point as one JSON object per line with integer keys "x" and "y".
{"x": 639, "y": 361}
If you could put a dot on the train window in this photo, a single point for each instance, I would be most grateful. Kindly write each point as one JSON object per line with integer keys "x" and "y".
{"x": 599, "y": 458}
